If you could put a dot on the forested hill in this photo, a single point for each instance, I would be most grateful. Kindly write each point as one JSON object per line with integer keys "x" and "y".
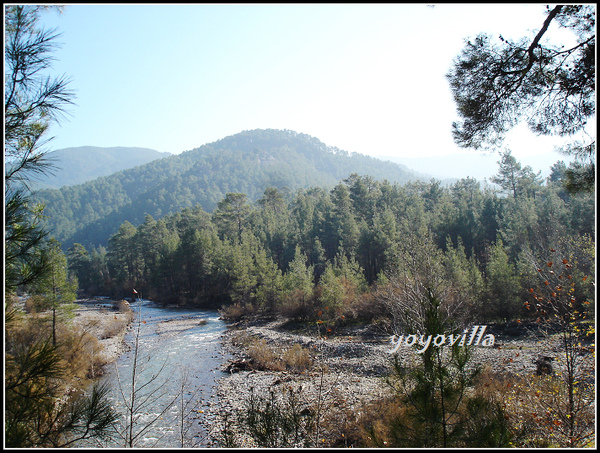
{"x": 247, "y": 162}
{"x": 85, "y": 163}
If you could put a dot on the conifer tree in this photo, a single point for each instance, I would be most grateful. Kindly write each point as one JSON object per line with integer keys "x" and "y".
{"x": 497, "y": 83}
{"x": 57, "y": 289}
{"x": 32, "y": 101}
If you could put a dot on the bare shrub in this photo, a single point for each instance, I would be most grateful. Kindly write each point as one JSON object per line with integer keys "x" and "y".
{"x": 367, "y": 308}
{"x": 297, "y": 358}
{"x": 300, "y": 307}
{"x": 114, "y": 327}
{"x": 264, "y": 357}
{"x": 338, "y": 421}
{"x": 281, "y": 419}
{"x": 122, "y": 306}
{"x": 564, "y": 297}
{"x": 376, "y": 421}
{"x": 235, "y": 312}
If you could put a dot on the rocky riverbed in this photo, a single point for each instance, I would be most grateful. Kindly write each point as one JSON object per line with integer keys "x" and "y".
{"x": 335, "y": 376}
{"x": 347, "y": 373}
{"x": 175, "y": 326}
{"x": 109, "y": 326}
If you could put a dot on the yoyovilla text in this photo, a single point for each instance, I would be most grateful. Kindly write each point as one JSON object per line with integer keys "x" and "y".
{"x": 475, "y": 338}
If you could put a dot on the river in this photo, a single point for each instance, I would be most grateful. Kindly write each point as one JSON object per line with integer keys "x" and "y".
{"x": 168, "y": 359}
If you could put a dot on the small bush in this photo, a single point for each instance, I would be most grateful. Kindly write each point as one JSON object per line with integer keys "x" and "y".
{"x": 235, "y": 312}
{"x": 297, "y": 358}
{"x": 263, "y": 357}
{"x": 114, "y": 327}
{"x": 34, "y": 304}
{"x": 122, "y": 306}
{"x": 81, "y": 352}
{"x": 539, "y": 407}
{"x": 480, "y": 422}
{"x": 281, "y": 419}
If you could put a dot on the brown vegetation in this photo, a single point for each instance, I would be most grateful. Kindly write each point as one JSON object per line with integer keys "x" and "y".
{"x": 526, "y": 410}
{"x": 262, "y": 356}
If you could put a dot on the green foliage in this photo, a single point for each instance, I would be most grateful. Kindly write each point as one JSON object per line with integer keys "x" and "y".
{"x": 57, "y": 290}
{"x": 514, "y": 179}
{"x": 299, "y": 278}
{"x": 123, "y": 258}
{"x": 301, "y": 252}
{"x": 56, "y": 285}
{"x": 245, "y": 163}
{"x": 464, "y": 273}
{"x": 231, "y": 216}
{"x": 32, "y": 101}
{"x": 502, "y": 286}
{"x": 332, "y": 291}
{"x": 24, "y": 236}
{"x": 37, "y": 372}
{"x": 440, "y": 409}
{"x": 497, "y": 84}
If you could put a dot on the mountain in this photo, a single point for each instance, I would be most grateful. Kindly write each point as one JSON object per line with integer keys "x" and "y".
{"x": 85, "y": 163}
{"x": 247, "y": 162}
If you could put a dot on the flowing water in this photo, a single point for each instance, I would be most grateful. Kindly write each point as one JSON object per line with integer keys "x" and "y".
{"x": 168, "y": 361}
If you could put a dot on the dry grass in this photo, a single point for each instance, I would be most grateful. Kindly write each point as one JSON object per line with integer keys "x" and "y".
{"x": 263, "y": 356}
{"x": 374, "y": 427}
{"x": 82, "y": 353}
{"x": 78, "y": 347}
{"x": 297, "y": 358}
{"x": 539, "y": 409}
{"x": 114, "y": 327}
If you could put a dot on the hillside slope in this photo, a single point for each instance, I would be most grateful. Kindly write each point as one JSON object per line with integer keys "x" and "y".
{"x": 247, "y": 162}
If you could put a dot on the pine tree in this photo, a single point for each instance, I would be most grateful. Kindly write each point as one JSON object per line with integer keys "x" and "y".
{"x": 57, "y": 289}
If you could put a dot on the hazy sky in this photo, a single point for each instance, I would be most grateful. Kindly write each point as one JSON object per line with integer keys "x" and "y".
{"x": 367, "y": 78}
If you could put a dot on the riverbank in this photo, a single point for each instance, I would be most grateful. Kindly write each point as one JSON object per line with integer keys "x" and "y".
{"x": 106, "y": 324}
{"x": 346, "y": 375}
{"x": 332, "y": 379}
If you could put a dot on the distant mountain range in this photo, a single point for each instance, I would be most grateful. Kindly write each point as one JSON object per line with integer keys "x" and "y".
{"x": 247, "y": 162}
{"x": 84, "y": 163}
{"x": 474, "y": 164}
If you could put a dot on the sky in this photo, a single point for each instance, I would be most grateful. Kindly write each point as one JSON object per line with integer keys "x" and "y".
{"x": 366, "y": 78}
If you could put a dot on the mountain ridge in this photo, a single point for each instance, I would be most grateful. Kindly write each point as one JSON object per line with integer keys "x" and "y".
{"x": 247, "y": 162}
{"x": 77, "y": 165}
